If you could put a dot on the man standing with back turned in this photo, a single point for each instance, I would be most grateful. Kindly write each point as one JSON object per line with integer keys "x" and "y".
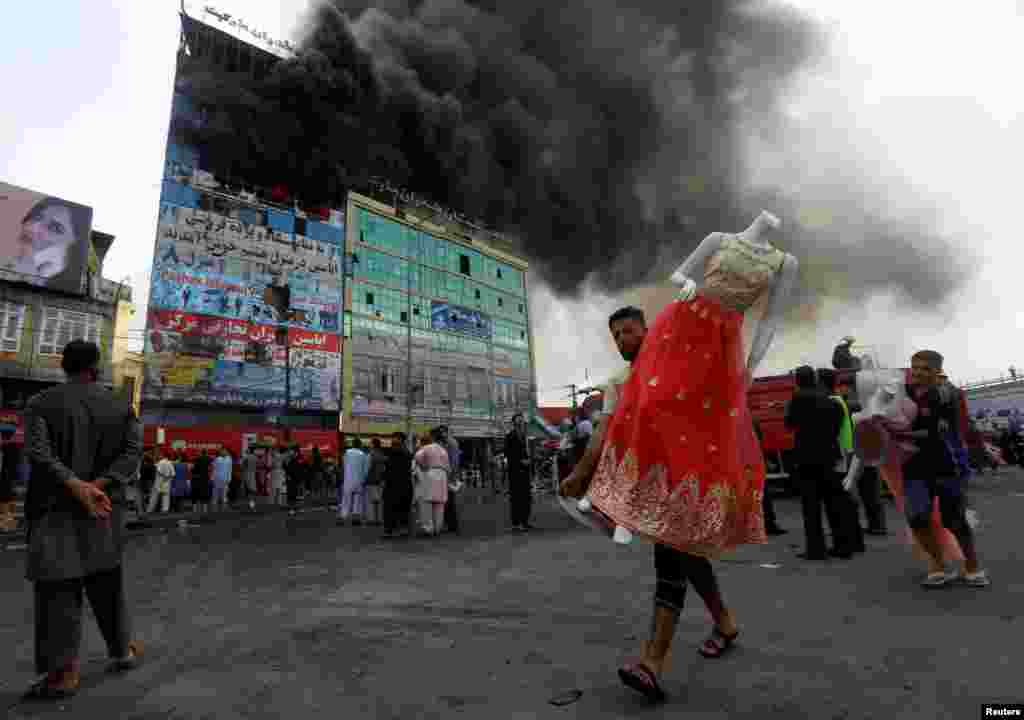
{"x": 84, "y": 448}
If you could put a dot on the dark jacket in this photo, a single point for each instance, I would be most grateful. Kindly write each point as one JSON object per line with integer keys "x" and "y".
{"x": 398, "y": 475}
{"x": 378, "y": 467}
{"x": 77, "y": 430}
{"x": 515, "y": 452}
{"x": 816, "y": 418}
{"x": 202, "y": 485}
{"x": 936, "y": 455}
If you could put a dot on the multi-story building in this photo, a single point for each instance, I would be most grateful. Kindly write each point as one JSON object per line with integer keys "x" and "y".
{"x": 51, "y": 292}
{"x": 404, "y": 321}
{"x": 437, "y": 317}
{"x": 243, "y": 330}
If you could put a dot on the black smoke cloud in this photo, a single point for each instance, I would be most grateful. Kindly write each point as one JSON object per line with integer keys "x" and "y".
{"x": 605, "y": 137}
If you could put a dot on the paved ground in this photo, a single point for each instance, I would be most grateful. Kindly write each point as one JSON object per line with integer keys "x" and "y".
{"x": 270, "y": 616}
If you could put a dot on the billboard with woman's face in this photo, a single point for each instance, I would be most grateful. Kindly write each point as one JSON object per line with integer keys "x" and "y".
{"x": 44, "y": 240}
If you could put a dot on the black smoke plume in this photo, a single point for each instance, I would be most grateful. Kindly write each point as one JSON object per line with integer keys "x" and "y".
{"x": 605, "y": 137}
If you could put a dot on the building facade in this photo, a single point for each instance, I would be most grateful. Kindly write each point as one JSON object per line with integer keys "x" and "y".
{"x": 437, "y": 325}
{"x": 395, "y": 320}
{"x": 42, "y": 311}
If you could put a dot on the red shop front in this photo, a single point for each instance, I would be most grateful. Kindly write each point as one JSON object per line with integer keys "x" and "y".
{"x": 195, "y": 438}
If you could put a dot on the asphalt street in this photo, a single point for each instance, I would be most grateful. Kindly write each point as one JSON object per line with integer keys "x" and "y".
{"x": 273, "y": 616}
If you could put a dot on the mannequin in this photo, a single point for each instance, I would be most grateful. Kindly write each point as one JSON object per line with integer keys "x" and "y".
{"x": 889, "y": 409}
{"x": 676, "y": 460}
{"x": 761, "y": 231}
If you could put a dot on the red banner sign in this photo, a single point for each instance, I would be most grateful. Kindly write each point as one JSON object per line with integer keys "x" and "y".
{"x": 311, "y": 340}
{"x": 224, "y": 328}
{"x": 263, "y": 334}
{"x": 179, "y": 322}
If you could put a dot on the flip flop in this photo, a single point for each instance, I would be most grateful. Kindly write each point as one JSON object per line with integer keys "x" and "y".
{"x": 43, "y": 690}
{"x": 719, "y": 641}
{"x": 128, "y": 662}
{"x": 639, "y": 677}
{"x": 938, "y": 580}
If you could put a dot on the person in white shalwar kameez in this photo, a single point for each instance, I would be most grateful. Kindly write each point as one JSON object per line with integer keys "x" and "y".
{"x": 353, "y": 490}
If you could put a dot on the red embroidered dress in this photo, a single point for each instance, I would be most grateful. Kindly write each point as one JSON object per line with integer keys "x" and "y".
{"x": 681, "y": 464}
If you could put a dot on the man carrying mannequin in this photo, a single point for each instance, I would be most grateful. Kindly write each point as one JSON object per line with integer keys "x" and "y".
{"x": 678, "y": 436}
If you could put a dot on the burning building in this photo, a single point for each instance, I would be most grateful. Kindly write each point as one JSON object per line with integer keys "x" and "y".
{"x": 278, "y": 315}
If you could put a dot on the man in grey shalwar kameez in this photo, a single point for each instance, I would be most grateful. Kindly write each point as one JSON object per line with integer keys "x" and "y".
{"x": 84, "y": 448}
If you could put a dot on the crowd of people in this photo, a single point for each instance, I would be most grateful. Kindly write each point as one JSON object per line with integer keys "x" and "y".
{"x": 407, "y": 491}
{"x": 177, "y": 480}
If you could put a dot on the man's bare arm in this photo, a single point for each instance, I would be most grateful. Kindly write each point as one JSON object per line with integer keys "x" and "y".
{"x": 577, "y": 482}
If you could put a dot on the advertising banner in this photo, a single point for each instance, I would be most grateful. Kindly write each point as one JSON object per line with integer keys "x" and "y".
{"x": 189, "y": 371}
{"x": 210, "y": 273}
{"x": 44, "y": 240}
{"x": 304, "y": 339}
{"x": 444, "y": 316}
{"x": 316, "y": 360}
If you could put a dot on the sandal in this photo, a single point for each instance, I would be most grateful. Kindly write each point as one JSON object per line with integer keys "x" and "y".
{"x": 978, "y": 579}
{"x": 43, "y": 689}
{"x": 718, "y": 643}
{"x": 639, "y": 677}
{"x": 129, "y": 661}
{"x": 937, "y": 580}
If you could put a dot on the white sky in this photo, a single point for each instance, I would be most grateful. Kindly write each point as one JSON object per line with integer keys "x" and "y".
{"x": 923, "y": 90}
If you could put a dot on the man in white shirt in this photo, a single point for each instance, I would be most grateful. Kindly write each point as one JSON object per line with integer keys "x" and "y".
{"x": 162, "y": 487}
{"x": 353, "y": 491}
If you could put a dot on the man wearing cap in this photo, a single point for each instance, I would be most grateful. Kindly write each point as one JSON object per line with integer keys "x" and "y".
{"x": 85, "y": 448}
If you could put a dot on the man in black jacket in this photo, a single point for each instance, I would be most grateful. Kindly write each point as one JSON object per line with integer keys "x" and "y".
{"x": 817, "y": 420}
{"x": 398, "y": 491}
{"x": 519, "y": 490}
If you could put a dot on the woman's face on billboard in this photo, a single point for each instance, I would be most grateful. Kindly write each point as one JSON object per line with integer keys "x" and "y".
{"x": 46, "y": 228}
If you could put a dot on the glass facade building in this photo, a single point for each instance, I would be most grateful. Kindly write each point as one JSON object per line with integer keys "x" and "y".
{"x": 437, "y": 328}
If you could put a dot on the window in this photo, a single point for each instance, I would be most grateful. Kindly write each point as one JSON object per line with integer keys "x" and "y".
{"x": 62, "y": 326}
{"x": 520, "y": 308}
{"x": 499, "y": 273}
{"x": 501, "y": 302}
{"x": 477, "y": 294}
{"x": 12, "y": 320}
{"x": 416, "y": 311}
{"x": 405, "y": 316}
{"x": 369, "y": 298}
{"x": 522, "y": 334}
{"x": 464, "y": 264}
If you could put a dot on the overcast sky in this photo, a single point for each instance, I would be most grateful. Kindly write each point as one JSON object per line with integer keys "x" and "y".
{"x": 930, "y": 95}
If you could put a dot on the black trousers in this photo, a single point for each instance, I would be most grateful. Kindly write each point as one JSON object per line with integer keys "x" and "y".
{"x": 869, "y": 487}
{"x": 397, "y": 508}
{"x": 451, "y": 513}
{"x": 821, "y": 486}
{"x": 58, "y": 617}
{"x": 674, "y": 569}
{"x": 768, "y": 508}
{"x": 520, "y": 498}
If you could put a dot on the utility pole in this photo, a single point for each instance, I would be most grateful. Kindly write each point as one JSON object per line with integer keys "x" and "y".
{"x": 573, "y": 388}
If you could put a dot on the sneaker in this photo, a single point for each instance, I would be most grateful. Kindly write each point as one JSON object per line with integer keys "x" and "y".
{"x": 976, "y": 579}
